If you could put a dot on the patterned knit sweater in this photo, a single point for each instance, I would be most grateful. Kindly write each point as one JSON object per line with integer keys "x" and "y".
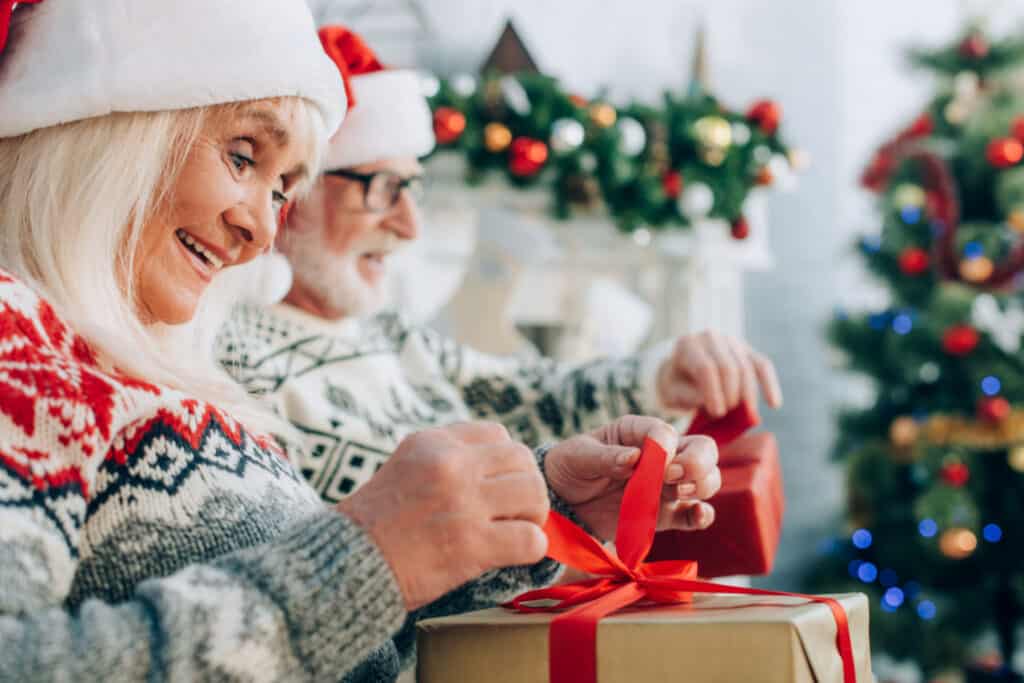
{"x": 355, "y": 388}
{"x": 145, "y": 535}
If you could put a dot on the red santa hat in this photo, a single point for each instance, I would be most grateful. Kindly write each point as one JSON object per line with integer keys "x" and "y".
{"x": 67, "y": 60}
{"x": 388, "y": 116}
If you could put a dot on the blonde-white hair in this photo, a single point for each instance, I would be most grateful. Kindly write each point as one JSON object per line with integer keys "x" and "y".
{"x": 74, "y": 200}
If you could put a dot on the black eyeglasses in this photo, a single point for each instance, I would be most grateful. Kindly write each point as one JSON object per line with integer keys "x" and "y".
{"x": 382, "y": 189}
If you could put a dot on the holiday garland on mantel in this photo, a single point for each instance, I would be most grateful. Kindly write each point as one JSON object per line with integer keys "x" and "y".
{"x": 655, "y": 167}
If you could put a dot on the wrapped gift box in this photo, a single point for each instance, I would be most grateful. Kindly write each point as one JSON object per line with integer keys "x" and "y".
{"x": 748, "y": 515}
{"x": 716, "y": 639}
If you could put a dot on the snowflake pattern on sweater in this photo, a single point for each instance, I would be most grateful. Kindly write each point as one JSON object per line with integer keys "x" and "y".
{"x": 147, "y": 535}
{"x": 356, "y": 388}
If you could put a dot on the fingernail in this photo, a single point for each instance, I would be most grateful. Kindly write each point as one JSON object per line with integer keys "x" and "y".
{"x": 673, "y": 473}
{"x": 686, "y": 490}
{"x": 625, "y": 457}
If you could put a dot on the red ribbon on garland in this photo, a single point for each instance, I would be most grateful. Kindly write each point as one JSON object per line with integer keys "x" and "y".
{"x": 624, "y": 580}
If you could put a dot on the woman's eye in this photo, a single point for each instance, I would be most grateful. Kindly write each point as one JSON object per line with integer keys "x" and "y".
{"x": 241, "y": 161}
{"x": 280, "y": 198}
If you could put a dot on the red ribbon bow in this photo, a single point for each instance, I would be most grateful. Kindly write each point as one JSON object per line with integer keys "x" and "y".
{"x": 6, "y": 9}
{"x": 351, "y": 55}
{"x": 626, "y": 579}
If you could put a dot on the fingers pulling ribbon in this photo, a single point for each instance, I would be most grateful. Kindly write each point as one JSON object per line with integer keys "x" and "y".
{"x": 625, "y": 579}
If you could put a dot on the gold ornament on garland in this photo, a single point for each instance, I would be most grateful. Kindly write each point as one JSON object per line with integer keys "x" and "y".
{"x": 603, "y": 115}
{"x": 909, "y": 195}
{"x": 1016, "y": 220}
{"x": 958, "y": 543}
{"x": 948, "y": 430}
{"x": 977, "y": 269}
{"x": 497, "y": 137}
{"x": 904, "y": 432}
{"x": 714, "y": 137}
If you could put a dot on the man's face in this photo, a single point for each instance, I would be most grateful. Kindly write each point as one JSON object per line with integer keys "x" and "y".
{"x": 338, "y": 240}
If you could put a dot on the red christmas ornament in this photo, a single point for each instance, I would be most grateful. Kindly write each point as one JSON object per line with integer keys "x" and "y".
{"x": 766, "y": 114}
{"x": 1005, "y": 152}
{"x": 914, "y": 261}
{"x": 1017, "y": 128}
{"x": 526, "y": 156}
{"x": 740, "y": 228}
{"x": 974, "y": 47}
{"x": 672, "y": 183}
{"x": 448, "y": 125}
{"x": 993, "y": 409}
{"x": 955, "y": 474}
{"x": 960, "y": 340}
{"x": 765, "y": 177}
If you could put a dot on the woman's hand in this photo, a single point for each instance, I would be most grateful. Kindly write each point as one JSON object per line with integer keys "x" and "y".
{"x": 451, "y": 504}
{"x": 590, "y": 473}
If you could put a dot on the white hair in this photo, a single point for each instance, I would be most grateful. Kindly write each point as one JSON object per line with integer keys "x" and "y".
{"x": 75, "y": 199}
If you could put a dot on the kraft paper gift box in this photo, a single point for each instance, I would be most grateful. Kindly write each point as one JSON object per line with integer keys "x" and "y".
{"x": 715, "y": 639}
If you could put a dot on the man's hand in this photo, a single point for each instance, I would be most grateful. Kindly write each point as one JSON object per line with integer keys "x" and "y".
{"x": 590, "y": 473}
{"x": 716, "y": 372}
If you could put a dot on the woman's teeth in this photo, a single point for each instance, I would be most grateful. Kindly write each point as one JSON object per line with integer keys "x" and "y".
{"x": 199, "y": 250}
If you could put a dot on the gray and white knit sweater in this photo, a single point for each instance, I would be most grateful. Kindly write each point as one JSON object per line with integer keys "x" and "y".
{"x": 356, "y": 388}
{"x": 146, "y": 535}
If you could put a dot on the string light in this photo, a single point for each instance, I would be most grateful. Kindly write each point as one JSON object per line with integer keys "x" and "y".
{"x": 926, "y": 609}
{"x": 991, "y": 386}
{"x": 867, "y": 572}
{"x": 928, "y": 528}
{"x": 992, "y": 533}
{"x": 974, "y": 250}
{"x": 902, "y": 324}
{"x": 853, "y": 567}
{"x": 862, "y": 538}
{"x": 893, "y": 597}
{"x": 910, "y": 214}
{"x": 871, "y": 244}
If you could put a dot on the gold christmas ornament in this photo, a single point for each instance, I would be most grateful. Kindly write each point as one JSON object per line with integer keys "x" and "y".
{"x": 904, "y": 432}
{"x": 713, "y": 157}
{"x": 957, "y": 543}
{"x": 713, "y": 132}
{"x": 947, "y": 430}
{"x": 497, "y": 137}
{"x": 956, "y": 112}
{"x": 909, "y": 195}
{"x": 1016, "y": 220}
{"x": 976, "y": 269}
{"x": 603, "y": 114}
{"x": 1015, "y": 458}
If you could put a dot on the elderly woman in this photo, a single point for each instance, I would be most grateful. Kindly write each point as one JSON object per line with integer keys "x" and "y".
{"x": 148, "y": 529}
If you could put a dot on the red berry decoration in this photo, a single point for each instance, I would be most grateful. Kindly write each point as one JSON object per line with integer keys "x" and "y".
{"x": 955, "y": 474}
{"x": 766, "y": 114}
{"x": 740, "y": 228}
{"x": 974, "y": 47}
{"x": 765, "y": 176}
{"x": 672, "y": 183}
{"x": 914, "y": 261}
{"x": 448, "y": 125}
{"x": 526, "y": 156}
{"x": 579, "y": 101}
{"x": 960, "y": 340}
{"x": 1005, "y": 152}
{"x": 993, "y": 409}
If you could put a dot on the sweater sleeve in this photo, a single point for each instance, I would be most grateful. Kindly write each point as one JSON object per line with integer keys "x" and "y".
{"x": 308, "y": 606}
{"x": 539, "y": 399}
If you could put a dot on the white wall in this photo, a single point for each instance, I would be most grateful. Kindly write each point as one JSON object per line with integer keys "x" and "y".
{"x": 836, "y": 67}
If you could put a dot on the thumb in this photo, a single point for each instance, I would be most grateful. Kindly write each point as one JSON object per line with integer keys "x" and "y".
{"x": 591, "y": 459}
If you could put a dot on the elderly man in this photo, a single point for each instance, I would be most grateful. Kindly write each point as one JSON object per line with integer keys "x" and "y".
{"x": 355, "y": 384}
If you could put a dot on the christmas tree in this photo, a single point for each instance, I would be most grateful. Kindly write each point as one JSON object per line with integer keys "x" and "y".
{"x": 935, "y": 461}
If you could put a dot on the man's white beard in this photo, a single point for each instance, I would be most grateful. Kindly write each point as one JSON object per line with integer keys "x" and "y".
{"x": 334, "y": 280}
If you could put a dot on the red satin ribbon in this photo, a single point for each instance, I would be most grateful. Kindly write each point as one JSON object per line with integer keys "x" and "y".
{"x": 624, "y": 580}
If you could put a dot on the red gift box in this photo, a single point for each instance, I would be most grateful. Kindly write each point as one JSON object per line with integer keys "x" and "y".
{"x": 748, "y": 515}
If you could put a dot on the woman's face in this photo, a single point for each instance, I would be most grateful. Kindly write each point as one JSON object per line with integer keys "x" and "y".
{"x": 223, "y": 208}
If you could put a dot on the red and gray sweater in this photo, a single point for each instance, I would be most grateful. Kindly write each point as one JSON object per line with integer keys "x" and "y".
{"x": 146, "y": 535}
